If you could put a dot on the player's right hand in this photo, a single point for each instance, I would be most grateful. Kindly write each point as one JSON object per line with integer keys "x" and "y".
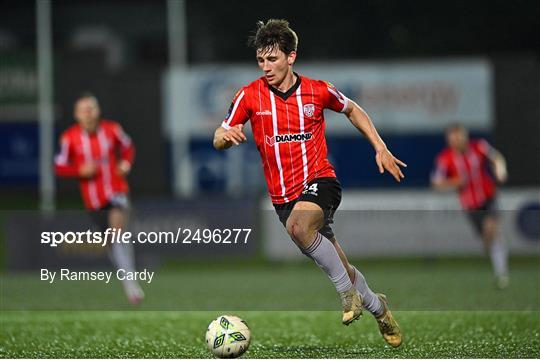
{"x": 88, "y": 170}
{"x": 235, "y": 135}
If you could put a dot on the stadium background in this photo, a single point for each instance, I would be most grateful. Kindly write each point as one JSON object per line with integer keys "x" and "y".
{"x": 414, "y": 68}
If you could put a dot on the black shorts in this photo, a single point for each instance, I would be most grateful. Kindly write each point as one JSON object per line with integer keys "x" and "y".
{"x": 479, "y": 215}
{"x": 325, "y": 192}
{"x": 100, "y": 217}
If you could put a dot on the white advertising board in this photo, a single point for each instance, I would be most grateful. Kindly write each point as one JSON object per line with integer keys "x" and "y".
{"x": 422, "y": 96}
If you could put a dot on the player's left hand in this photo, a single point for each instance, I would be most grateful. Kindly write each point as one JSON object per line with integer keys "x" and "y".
{"x": 385, "y": 160}
{"x": 123, "y": 168}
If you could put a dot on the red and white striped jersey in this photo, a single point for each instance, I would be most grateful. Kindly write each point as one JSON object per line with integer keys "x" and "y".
{"x": 78, "y": 146}
{"x": 472, "y": 167}
{"x": 288, "y": 129}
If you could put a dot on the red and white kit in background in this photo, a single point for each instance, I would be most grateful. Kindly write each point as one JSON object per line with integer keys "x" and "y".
{"x": 288, "y": 129}
{"x": 79, "y": 147}
{"x": 471, "y": 166}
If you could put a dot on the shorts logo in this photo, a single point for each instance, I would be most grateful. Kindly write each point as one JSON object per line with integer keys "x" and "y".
{"x": 309, "y": 110}
{"x": 271, "y": 140}
{"x": 265, "y": 112}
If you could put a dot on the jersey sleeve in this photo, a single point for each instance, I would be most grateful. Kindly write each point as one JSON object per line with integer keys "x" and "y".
{"x": 441, "y": 169}
{"x": 484, "y": 148}
{"x": 333, "y": 99}
{"x": 127, "y": 149}
{"x": 63, "y": 161}
{"x": 238, "y": 111}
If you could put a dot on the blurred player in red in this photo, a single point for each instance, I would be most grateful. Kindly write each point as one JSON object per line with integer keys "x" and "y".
{"x": 99, "y": 154}
{"x": 286, "y": 114}
{"x": 465, "y": 166}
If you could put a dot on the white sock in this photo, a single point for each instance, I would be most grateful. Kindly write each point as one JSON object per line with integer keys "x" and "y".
{"x": 370, "y": 300}
{"x": 499, "y": 257}
{"x": 122, "y": 256}
{"x": 326, "y": 257}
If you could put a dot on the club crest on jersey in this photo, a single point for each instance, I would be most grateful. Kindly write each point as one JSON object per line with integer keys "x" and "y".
{"x": 309, "y": 110}
{"x": 284, "y": 138}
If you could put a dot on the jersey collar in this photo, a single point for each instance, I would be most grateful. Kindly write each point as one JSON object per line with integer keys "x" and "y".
{"x": 285, "y": 95}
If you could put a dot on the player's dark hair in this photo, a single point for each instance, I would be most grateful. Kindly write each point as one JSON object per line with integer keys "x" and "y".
{"x": 275, "y": 32}
{"x": 454, "y": 126}
{"x": 86, "y": 95}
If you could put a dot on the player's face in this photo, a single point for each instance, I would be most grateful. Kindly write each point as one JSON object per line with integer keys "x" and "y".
{"x": 457, "y": 139}
{"x": 275, "y": 64}
{"x": 87, "y": 113}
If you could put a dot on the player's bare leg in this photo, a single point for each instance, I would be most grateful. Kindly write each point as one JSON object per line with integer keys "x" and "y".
{"x": 123, "y": 257}
{"x": 303, "y": 226}
{"x": 496, "y": 249}
{"x": 376, "y": 304}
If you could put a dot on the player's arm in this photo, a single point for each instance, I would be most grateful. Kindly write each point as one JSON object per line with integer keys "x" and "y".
{"x": 441, "y": 179}
{"x": 231, "y": 130}
{"x": 225, "y": 138}
{"x": 498, "y": 163}
{"x": 127, "y": 150}
{"x": 65, "y": 166}
{"x": 384, "y": 158}
{"x": 446, "y": 184}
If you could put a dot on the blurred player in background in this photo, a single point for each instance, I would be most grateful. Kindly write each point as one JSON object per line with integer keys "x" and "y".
{"x": 286, "y": 113}
{"x": 100, "y": 154}
{"x": 465, "y": 166}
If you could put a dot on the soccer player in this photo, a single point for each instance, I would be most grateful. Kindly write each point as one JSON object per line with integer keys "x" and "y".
{"x": 464, "y": 166}
{"x": 286, "y": 114}
{"x": 89, "y": 152}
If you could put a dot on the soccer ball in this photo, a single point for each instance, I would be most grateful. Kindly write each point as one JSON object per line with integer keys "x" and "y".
{"x": 228, "y": 336}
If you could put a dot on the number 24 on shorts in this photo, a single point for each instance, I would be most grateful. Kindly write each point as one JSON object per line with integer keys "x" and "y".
{"x": 312, "y": 189}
